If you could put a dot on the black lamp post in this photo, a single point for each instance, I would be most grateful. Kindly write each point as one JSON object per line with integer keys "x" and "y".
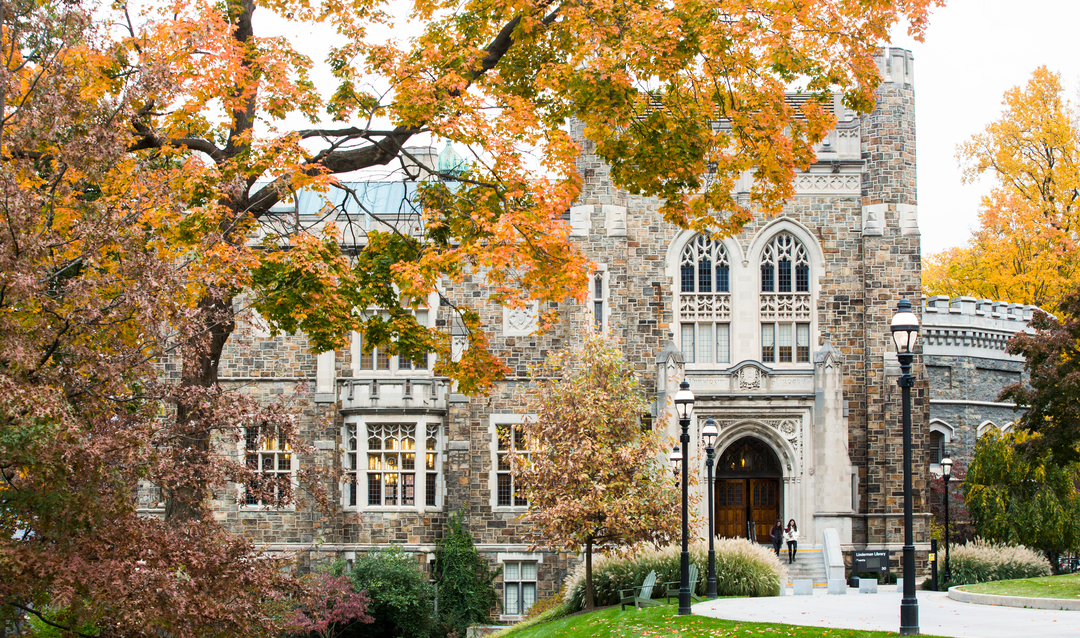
{"x": 905, "y": 330}
{"x": 709, "y": 432}
{"x": 946, "y": 473}
{"x": 684, "y": 405}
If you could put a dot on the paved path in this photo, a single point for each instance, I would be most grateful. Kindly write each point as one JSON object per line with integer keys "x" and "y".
{"x": 938, "y": 614}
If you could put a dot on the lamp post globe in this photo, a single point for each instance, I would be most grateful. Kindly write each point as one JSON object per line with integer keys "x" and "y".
{"x": 946, "y": 475}
{"x": 905, "y": 331}
{"x": 684, "y": 405}
{"x": 709, "y": 433}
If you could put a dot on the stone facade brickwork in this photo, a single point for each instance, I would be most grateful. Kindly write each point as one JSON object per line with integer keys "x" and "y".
{"x": 967, "y": 365}
{"x": 830, "y": 422}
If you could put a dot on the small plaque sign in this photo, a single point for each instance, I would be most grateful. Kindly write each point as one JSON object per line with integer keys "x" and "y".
{"x": 871, "y": 561}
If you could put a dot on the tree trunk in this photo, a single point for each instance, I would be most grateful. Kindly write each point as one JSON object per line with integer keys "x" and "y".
{"x": 590, "y": 602}
{"x": 186, "y": 500}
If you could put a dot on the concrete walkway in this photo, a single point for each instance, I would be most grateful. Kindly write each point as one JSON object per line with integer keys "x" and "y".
{"x": 938, "y": 614}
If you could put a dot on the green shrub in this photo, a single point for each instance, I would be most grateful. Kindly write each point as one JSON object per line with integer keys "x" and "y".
{"x": 466, "y": 583}
{"x": 980, "y": 561}
{"x": 742, "y": 569}
{"x": 401, "y": 596}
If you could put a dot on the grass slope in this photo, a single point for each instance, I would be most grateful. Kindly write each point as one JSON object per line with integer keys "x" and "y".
{"x": 663, "y": 622}
{"x": 1066, "y": 587}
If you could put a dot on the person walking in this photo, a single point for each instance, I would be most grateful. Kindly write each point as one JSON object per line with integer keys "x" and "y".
{"x": 791, "y": 535}
{"x": 777, "y": 535}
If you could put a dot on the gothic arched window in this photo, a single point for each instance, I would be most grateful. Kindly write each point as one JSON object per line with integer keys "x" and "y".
{"x": 785, "y": 301}
{"x": 704, "y": 301}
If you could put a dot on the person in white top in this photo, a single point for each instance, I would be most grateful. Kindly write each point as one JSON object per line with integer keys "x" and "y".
{"x": 791, "y": 535}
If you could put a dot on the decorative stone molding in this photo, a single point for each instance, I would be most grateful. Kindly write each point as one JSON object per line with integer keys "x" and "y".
{"x": 966, "y": 326}
{"x": 581, "y": 220}
{"x": 614, "y": 220}
{"x": 828, "y": 184}
{"x": 909, "y": 218}
{"x": 786, "y": 426}
{"x": 750, "y": 378}
{"x": 897, "y": 66}
{"x": 520, "y": 322}
{"x": 785, "y": 306}
{"x": 873, "y": 219}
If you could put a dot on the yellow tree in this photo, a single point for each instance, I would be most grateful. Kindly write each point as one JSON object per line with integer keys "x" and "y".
{"x": 1025, "y": 249}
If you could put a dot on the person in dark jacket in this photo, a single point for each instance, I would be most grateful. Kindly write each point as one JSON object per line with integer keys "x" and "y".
{"x": 777, "y": 535}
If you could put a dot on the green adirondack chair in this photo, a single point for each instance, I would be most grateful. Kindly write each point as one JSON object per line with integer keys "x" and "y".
{"x": 673, "y": 587}
{"x": 643, "y": 598}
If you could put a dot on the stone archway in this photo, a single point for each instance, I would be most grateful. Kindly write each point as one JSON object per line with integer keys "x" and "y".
{"x": 748, "y": 490}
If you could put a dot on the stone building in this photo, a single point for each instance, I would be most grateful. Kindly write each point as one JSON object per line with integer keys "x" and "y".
{"x": 964, "y": 342}
{"x": 782, "y": 332}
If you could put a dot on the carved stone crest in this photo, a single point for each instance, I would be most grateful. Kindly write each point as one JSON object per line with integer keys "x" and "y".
{"x": 749, "y": 378}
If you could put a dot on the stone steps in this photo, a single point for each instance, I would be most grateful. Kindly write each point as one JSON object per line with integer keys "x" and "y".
{"x": 809, "y": 565}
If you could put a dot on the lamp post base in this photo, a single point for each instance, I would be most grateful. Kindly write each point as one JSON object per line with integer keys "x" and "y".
{"x": 909, "y": 617}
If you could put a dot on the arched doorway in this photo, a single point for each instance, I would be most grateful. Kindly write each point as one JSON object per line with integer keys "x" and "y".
{"x": 747, "y": 490}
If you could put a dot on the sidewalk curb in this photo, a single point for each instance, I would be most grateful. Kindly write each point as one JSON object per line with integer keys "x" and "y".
{"x": 1057, "y": 604}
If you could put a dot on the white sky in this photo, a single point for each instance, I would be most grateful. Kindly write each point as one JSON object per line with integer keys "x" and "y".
{"x": 974, "y": 51}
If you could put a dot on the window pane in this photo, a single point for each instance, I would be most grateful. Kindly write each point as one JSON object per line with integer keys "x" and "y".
{"x": 688, "y": 342}
{"x": 367, "y": 362}
{"x": 430, "y": 488}
{"x": 504, "y": 490}
{"x": 390, "y": 492}
{"x": 705, "y": 346}
{"x": 528, "y": 571}
{"x": 783, "y": 276}
{"x": 528, "y": 596}
{"x": 374, "y": 489}
{"x": 512, "y": 599}
{"x": 802, "y": 278}
{"x": 723, "y": 346}
{"x": 383, "y": 361}
{"x": 802, "y": 343}
{"x": 785, "y": 343}
{"x": 687, "y": 277}
{"x": 511, "y": 572}
{"x": 722, "y": 279}
{"x": 766, "y": 278}
{"x": 408, "y": 493}
{"x": 598, "y": 314}
{"x": 705, "y": 275}
{"x": 768, "y": 352}
{"x": 598, "y": 287}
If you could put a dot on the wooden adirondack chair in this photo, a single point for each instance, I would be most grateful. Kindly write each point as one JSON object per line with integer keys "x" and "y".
{"x": 673, "y": 587}
{"x": 644, "y": 594}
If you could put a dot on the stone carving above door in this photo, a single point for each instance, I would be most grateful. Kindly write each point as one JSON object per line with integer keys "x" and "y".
{"x": 750, "y": 378}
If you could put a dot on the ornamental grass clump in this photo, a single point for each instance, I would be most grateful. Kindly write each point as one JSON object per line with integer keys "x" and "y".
{"x": 980, "y": 561}
{"x": 742, "y": 569}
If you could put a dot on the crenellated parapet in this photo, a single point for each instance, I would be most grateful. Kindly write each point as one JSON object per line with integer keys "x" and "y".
{"x": 970, "y": 327}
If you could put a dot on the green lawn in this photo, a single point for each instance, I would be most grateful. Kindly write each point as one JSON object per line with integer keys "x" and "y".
{"x": 1067, "y": 586}
{"x": 663, "y": 622}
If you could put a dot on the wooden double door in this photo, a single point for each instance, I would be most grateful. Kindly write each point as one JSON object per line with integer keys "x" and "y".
{"x": 747, "y": 507}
